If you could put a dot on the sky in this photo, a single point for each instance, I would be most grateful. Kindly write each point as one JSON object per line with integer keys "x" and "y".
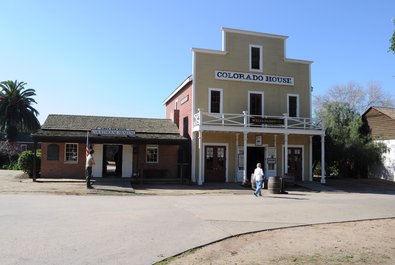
{"x": 123, "y": 58}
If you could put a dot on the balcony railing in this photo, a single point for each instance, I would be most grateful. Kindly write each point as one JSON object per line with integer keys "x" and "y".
{"x": 246, "y": 120}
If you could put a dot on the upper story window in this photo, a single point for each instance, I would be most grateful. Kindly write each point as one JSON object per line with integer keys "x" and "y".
{"x": 215, "y": 100}
{"x": 152, "y": 154}
{"x": 71, "y": 153}
{"x": 256, "y": 58}
{"x": 293, "y": 105}
{"x": 255, "y": 103}
{"x": 53, "y": 152}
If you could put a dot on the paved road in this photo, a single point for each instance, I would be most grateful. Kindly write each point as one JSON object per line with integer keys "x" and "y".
{"x": 64, "y": 229}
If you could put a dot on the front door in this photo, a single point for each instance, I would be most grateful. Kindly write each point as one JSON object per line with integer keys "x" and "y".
{"x": 295, "y": 163}
{"x": 112, "y": 160}
{"x": 255, "y": 155}
{"x": 215, "y": 163}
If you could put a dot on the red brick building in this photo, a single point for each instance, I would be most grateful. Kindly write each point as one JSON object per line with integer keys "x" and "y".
{"x": 136, "y": 148}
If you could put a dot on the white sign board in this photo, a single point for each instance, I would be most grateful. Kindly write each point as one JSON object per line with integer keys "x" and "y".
{"x": 256, "y": 78}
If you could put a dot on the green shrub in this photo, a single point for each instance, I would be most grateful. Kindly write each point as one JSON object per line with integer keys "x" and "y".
{"x": 25, "y": 162}
{"x": 13, "y": 166}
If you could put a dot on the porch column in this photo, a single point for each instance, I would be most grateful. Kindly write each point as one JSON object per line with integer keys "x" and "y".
{"x": 236, "y": 158}
{"x": 311, "y": 158}
{"x": 286, "y": 154}
{"x": 323, "y": 180}
{"x": 193, "y": 166}
{"x": 245, "y": 158}
{"x": 201, "y": 156}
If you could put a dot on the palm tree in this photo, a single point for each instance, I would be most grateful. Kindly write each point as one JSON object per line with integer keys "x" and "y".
{"x": 16, "y": 111}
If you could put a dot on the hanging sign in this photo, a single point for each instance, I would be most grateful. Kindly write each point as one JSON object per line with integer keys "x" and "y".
{"x": 113, "y": 132}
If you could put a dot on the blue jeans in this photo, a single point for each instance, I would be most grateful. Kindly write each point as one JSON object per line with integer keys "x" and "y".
{"x": 258, "y": 187}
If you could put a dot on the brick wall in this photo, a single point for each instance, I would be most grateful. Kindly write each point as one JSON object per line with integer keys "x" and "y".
{"x": 184, "y": 105}
{"x": 59, "y": 168}
{"x": 168, "y": 155}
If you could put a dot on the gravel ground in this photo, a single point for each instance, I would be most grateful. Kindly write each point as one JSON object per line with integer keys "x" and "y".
{"x": 364, "y": 242}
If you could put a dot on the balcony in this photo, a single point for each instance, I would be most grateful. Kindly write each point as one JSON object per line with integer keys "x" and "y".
{"x": 245, "y": 122}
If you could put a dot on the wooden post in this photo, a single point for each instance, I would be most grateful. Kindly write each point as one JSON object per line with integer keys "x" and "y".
{"x": 34, "y": 161}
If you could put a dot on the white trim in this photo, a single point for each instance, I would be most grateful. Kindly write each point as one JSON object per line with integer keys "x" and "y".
{"x": 263, "y": 100}
{"x": 257, "y": 130}
{"x": 282, "y": 157}
{"x": 297, "y": 104}
{"x": 288, "y": 60}
{"x": 223, "y": 41}
{"x": 70, "y": 161}
{"x": 260, "y": 47}
{"x": 221, "y": 103}
{"x": 204, "y": 159}
{"x": 176, "y": 104}
{"x": 209, "y": 51}
{"x": 186, "y": 81}
{"x": 254, "y": 33}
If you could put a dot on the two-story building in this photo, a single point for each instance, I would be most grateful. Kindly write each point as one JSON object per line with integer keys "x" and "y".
{"x": 244, "y": 104}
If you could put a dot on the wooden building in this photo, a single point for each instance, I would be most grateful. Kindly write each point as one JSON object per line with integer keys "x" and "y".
{"x": 244, "y": 104}
{"x": 381, "y": 122}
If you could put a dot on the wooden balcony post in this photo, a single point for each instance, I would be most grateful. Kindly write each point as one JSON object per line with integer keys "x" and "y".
{"x": 245, "y": 113}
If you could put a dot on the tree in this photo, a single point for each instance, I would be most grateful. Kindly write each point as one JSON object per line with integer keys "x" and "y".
{"x": 16, "y": 110}
{"x": 358, "y": 97}
{"x": 392, "y": 40}
{"x": 350, "y": 150}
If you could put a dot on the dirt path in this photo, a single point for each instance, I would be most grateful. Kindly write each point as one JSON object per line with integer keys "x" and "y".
{"x": 363, "y": 242}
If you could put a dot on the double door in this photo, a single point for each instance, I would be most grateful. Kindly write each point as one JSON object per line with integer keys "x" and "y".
{"x": 215, "y": 163}
{"x": 295, "y": 163}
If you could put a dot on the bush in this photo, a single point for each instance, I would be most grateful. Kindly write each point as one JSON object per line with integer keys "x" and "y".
{"x": 13, "y": 166}
{"x": 25, "y": 162}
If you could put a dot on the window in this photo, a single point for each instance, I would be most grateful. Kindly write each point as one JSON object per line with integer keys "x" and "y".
{"x": 53, "y": 152}
{"x": 293, "y": 105}
{"x": 71, "y": 153}
{"x": 152, "y": 154}
{"x": 23, "y": 147}
{"x": 256, "y": 58}
{"x": 215, "y": 100}
{"x": 255, "y": 103}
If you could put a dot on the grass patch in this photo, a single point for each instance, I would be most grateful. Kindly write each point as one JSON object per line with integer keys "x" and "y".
{"x": 345, "y": 259}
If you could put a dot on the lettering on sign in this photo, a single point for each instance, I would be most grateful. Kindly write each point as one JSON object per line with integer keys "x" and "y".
{"x": 113, "y": 132}
{"x": 270, "y": 121}
{"x": 257, "y": 78}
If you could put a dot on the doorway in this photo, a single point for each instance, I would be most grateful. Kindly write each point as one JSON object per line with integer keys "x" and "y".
{"x": 295, "y": 163}
{"x": 254, "y": 155}
{"x": 215, "y": 163}
{"x": 112, "y": 160}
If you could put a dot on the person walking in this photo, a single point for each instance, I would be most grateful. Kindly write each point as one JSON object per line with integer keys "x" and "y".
{"x": 88, "y": 169}
{"x": 258, "y": 174}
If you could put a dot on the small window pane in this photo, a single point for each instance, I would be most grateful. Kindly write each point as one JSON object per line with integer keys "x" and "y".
{"x": 292, "y": 101}
{"x": 215, "y": 101}
{"x": 255, "y": 58}
{"x": 71, "y": 153}
{"x": 255, "y": 104}
{"x": 152, "y": 154}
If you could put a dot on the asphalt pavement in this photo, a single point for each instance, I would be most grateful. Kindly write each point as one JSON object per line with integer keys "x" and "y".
{"x": 152, "y": 223}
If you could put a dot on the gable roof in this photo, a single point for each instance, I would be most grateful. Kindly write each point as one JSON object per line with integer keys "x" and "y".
{"x": 374, "y": 111}
{"x": 87, "y": 123}
{"x": 75, "y": 127}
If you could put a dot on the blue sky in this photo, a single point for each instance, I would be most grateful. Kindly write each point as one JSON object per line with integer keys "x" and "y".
{"x": 123, "y": 58}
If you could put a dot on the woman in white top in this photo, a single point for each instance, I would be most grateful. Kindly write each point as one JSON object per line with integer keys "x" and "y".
{"x": 258, "y": 174}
